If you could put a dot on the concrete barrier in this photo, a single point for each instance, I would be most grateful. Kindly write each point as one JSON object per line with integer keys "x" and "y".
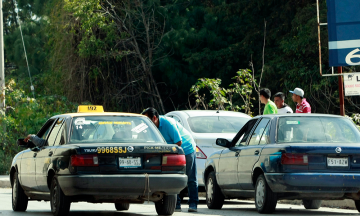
{"x": 4, "y": 181}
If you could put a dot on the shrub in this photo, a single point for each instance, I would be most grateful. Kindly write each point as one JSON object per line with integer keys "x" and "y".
{"x": 23, "y": 116}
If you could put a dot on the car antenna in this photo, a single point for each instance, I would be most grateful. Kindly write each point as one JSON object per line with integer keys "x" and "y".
{"x": 218, "y": 111}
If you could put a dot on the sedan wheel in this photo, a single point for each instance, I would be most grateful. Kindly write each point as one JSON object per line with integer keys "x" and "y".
{"x": 19, "y": 198}
{"x": 60, "y": 204}
{"x": 122, "y": 206}
{"x": 265, "y": 199}
{"x": 214, "y": 196}
{"x": 166, "y": 206}
{"x": 312, "y": 204}
{"x": 357, "y": 204}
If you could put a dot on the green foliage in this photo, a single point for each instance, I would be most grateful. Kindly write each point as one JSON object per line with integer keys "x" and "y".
{"x": 26, "y": 115}
{"x": 355, "y": 117}
{"x": 223, "y": 99}
{"x": 98, "y": 32}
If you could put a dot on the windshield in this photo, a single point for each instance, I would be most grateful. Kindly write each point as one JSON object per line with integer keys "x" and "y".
{"x": 316, "y": 130}
{"x": 216, "y": 124}
{"x": 110, "y": 129}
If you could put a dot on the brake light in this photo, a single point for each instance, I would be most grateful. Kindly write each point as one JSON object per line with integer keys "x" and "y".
{"x": 173, "y": 160}
{"x": 84, "y": 160}
{"x": 294, "y": 159}
{"x": 200, "y": 154}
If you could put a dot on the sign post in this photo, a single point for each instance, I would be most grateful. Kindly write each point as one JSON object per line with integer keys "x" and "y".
{"x": 352, "y": 84}
{"x": 341, "y": 92}
{"x": 344, "y": 32}
{"x": 344, "y": 42}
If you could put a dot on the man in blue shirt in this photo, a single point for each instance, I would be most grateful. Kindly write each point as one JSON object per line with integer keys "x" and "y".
{"x": 174, "y": 133}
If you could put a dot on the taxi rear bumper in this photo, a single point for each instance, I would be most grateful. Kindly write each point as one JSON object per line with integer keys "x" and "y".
{"x": 127, "y": 184}
{"x": 313, "y": 182}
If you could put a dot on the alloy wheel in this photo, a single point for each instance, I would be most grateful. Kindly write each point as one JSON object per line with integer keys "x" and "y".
{"x": 260, "y": 193}
{"x": 209, "y": 190}
{"x": 14, "y": 191}
{"x": 54, "y": 198}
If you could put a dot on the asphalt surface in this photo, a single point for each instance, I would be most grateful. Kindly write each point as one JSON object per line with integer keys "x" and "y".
{"x": 233, "y": 207}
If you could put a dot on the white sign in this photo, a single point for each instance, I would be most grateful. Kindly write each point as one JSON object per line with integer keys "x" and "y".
{"x": 352, "y": 84}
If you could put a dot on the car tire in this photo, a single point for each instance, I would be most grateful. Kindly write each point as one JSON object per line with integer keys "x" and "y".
{"x": 122, "y": 206}
{"x": 214, "y": 197}
{"x": 19, "y": 198}
{"x": 357, "y": 204}
{"x": 312, "y": 204}
{"x": 59, "y": 203}
{"x": 265, "y": 198}
{"x": 166, "y": 206}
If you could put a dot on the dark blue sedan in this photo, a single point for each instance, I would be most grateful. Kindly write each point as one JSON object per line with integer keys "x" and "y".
{"x": 312, "y": 157}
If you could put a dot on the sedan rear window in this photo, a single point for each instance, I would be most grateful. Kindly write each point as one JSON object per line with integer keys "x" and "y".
{"x": 110, "y": 129}
{"x": 216, "y": 124}
{"x": 316, "y": 130}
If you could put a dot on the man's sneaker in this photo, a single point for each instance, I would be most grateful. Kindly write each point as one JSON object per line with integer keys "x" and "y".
{"x": 192, "y": 209}
{"x": 178, "y": 209}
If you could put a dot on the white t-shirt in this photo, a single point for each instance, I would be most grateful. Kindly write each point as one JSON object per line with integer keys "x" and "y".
{"x": 285, "y": 109}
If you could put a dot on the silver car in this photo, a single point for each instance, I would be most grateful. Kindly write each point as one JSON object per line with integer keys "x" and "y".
{"x": 206, "y": 126}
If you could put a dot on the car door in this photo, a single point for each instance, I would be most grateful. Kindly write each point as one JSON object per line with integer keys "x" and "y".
{"x": 227, "y": 169}
{"x": 250, "y": 153}
{"x": 43, "y": 158}
{"x": 27, "y": 170}
{"x": 27, "y": 164}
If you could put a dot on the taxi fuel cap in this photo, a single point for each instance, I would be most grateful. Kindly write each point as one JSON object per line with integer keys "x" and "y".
{"x": 90, "y": 108}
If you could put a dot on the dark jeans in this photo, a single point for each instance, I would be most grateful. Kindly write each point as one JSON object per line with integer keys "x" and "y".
{"x": 192, "y": 181}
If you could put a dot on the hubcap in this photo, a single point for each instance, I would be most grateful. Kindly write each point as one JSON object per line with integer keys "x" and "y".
{"x": 14, "y": 190}
{"x": 260, "y": 194}
{"x": 209, "y": 190}
{"x": 54, "y": 197}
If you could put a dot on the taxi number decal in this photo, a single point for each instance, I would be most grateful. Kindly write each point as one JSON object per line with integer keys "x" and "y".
{"x": 111, "y": 150}
{"x": 92, "y": 108}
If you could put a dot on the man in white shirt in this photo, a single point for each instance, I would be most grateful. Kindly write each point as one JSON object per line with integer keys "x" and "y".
{"x": 283, "y": 108}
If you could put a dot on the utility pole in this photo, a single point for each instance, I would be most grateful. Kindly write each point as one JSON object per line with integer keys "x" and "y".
{"x": 2, "y": 61}
{"x": 341, "y": 92}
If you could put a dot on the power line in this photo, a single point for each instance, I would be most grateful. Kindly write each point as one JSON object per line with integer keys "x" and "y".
{"x": 22, "y": 38}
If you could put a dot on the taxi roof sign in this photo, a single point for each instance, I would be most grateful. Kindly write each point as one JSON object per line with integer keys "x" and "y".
{"x": 90, "y": 108}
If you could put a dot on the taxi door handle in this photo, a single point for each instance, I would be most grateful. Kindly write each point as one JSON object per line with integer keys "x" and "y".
{"x": 237, "y": 153}
{"x": 50, "y": 153}
{"x": 256, "y": 152}
{"x": 35, "y": 154}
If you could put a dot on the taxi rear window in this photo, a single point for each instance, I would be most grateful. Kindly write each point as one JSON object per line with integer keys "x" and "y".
{"x": 314, "y": 129}
{"x": 110, "y": 129}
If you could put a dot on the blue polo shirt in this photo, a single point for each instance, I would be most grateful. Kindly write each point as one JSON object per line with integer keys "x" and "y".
{"x": 173, "y": 132}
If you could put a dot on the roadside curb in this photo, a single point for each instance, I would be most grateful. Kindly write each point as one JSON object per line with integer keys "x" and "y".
{"x": 340, "y": 204}
{"x": 5, "y": 181}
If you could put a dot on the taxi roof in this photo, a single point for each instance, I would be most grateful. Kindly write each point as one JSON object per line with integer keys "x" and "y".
{"x": 101, "y": 114}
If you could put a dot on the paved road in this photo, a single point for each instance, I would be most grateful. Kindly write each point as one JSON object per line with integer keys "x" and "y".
{"x": 235, "y": 207}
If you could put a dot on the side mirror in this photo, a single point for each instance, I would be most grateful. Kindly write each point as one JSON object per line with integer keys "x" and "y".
{"x": 223, "y": 142}
{"x": 23, "y": 144}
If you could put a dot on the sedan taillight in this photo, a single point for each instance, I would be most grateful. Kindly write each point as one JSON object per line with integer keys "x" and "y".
{"x": 173, "y": 162}
{"x": 84, "y": 160}
{"x": 294, "y": 159}
{"x": 200, "y": 154}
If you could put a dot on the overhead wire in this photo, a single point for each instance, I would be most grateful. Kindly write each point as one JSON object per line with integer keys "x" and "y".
{"x": 22, "y": 38}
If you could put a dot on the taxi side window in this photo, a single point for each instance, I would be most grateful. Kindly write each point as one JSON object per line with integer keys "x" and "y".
{"x": 45, "y": 130}
{"x": 257, "y": 134}
{"x": 55, "y": 131}
{"x": 244, "y": 133}
{"x": 60, "y": 138}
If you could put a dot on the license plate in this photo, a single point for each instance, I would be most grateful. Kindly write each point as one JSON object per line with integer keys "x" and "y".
{"x": 337, "y": 162}
{"x": 130, "y": 162}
